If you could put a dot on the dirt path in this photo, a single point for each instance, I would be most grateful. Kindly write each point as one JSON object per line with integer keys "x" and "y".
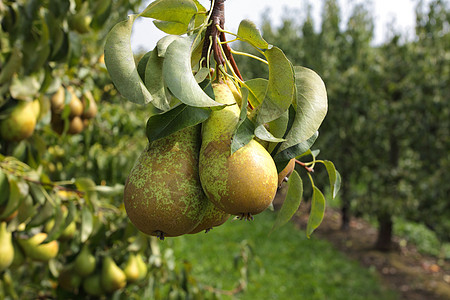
{"x": 413, "y": 275}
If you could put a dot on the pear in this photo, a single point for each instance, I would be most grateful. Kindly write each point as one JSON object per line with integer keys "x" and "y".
{"x": 19, "y": 257}
{"x": 68, "y": 279}
{"x": 6, "y": 247}
{"x": 36, "y": 250}
{"x": 20, "y": 123}
{"x": 286, "y": 172}
{"x": 85, "y": 262}
{"x": 112, "y": 277}
{"x": 89, "y": 105}
{"x": 76, "y": 125}
{"x": 57, "y": 100}
{"x": 75, "y": 104}
{"x": 163, "y": 195}
{"x": 92, "y": 285}
{"x": 142, "y": 266}
{"x": 243, "y": 183}
{"x": 131, "y": 269}
{"x": 213, "y": 217}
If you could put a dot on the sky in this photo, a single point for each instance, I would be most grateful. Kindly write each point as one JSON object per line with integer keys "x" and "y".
{"x": 145, "y": 34}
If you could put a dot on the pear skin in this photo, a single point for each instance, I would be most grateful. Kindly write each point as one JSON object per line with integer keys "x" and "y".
{"x": 112, "y": 277}
{"x": 20, "y": 124}
{"x": 163, "y": 195}
{"x": 38, "y": 251}
{"x": 243, "y": 183}
{"x": 213, "y": 217}
{"x": 6, "y": 247}
{"x": 85, "y": 262}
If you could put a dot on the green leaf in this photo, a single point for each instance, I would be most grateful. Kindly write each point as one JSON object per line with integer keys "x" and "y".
{"x": 12, "y": 66}
{"x": 317, "y": 211}
{"x": 119, "y": 61}
{"x": 58, "y": 225}
{"x": 310, "y": 105}
{"x": 262, "y": 133}
{"x": 179, "y": 78}
{"x": 280, "y": 89}
{"x": 26, "y": 88}
{"x": 88, "y": 186}
{"x": 86, "y": 223}
{"x": 17, "y": 192}
{"x": 178, "y": 11}
{"x": 179, "y": 117}
{"x": 334, "y": 176}
{"x": 291, "y": 202}
{"x": 4, "y": 188}
{"x": 258, "y": 89}
{"x": 245, "y": 128}
{"x": 154, "y": 81}
{"x": 164, "y": 43}
{"x": 294, "y": 151}
{"x": 142, "y": 65}
{"x": 248, "y": 32}
{"x": 171, "y": 27}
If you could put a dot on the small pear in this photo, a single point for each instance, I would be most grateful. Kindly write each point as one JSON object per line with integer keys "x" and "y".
{"x": 36, "y": 250}
{"x": 6, "y": 247}
{"x": 92, "y": 285}
{"x": 131, "y": 269}
{"x": 142, "y": 266}
{"x": 163, "y": 195}
{"x": 112, "y": 277}
{"x": 57, "y": 100}
{"x": 89, "y": 105}
{"x": 75, "y": 104}
{"x": 68, "y": 279}
{"x": 243, "y": 183}
{"x": 20, "y": 124}
{"x": 76, "y": 125}
{"x": 85, "y": 262}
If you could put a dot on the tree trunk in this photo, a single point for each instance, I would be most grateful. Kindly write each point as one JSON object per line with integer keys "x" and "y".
{"x": 345, "y": 209}
{"x": 384, "y": 241}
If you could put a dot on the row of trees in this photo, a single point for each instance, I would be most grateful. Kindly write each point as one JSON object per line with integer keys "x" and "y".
{"x": 387, "y": 129}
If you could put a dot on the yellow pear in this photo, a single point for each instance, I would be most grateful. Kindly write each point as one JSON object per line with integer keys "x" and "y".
{"x": 142, "y": 266}
{"x": 20, "y": 123}
{"x": 131, "y": 268}
{"x": 36, "y": 250}
{"x": 213, "y": 217}
{"x": 57, "y": 100}
{"x": 163, "y": 196}
{"x": 112, "y": 277}
{"x": 6, "y": 247}
{"x": 75, "y": 104}
{"x": 89, "y": 105}
{"x": 243, "y": 183}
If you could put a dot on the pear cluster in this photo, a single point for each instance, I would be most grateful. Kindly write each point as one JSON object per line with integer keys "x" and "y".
{"x": 189, "y": 181}
{"x": 81, "y": 111}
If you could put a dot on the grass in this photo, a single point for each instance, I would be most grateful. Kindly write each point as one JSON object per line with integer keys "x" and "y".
{"x": 284, "y": 265}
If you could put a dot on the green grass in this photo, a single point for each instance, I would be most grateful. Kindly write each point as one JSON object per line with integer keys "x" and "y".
{"x": 284, "y": 265}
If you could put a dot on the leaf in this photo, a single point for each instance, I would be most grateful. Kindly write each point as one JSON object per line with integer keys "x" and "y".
{"x": 154, "y": 81}
{"x": 88, "y": 186}
{"x": 245, "y": 128}
{"x": 248, "y": 32}
{"x": 58, "y": 225}
{"x": 171, "y": 27}
{"x": 4, "y": 188}
{"x": 178, "y": 75}
{"x": 86, "y": 223}
{"x": 180, "y": 11}
{"x": 280, "y": 88}
{"x": 25, "y": 88}
{"x": 179, "y": 117}
{"x": 310, "y": 105}
{"x": 262, "y": 133}
{"x": 317, "y": 211}
{"x": 258, "y": 89}
{"x": 334, "y": 176}
{"x": 17, "y": 192}
{"x": 142, "y": 65}
{"x": 291, "y": 202}
{"x": 12, "y": 65}
{"x": 294, "y": 151}
{"x": 119, "y": 61}
{"x": 164, "y": 43}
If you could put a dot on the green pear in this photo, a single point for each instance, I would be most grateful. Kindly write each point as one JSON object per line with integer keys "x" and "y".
{"x": 19, "y": 256}
{"x": 142, "y": 266}
{"x": 6, "y": 247}
{"x": 92, "y": 285}
{"x": 38, "y": 251}
{"x": 112, "y": 277}
{"x": 163, "y": 195}
{"x": 244, "y": 183}
{"x": 20, "y": 124}
{"x": 131, "y": 269}
{"x": 85, "y": 262}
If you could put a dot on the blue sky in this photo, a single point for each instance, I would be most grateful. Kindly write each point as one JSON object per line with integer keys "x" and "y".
{"x": 145, "y": 35}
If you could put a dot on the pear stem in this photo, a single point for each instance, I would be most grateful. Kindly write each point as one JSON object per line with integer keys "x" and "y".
{"x": 309, "y": 169}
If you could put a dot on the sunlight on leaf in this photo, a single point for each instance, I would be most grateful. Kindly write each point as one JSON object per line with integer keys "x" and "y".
{"x": 317, "y": 211}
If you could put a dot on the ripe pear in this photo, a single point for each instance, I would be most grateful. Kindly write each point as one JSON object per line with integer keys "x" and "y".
{"x": 76, "y": 125}
{"x": 163, "y": 195}
{"x": 90, "y": 108}
{"x": 112, "y": 277}
{"x": 20, "y": 124}
{"x": 243, "y": 183}
{"x": 6, "y": 247}
{"x": 213, "y": 217}
{"x": 36, "y": 250}
{"x": 131, "y": 269}
{"x": 85, "y": 262}
{"x": 75, "y": 104}
{"x": 286, "y": 172}
{"x": 92, "y": 285}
